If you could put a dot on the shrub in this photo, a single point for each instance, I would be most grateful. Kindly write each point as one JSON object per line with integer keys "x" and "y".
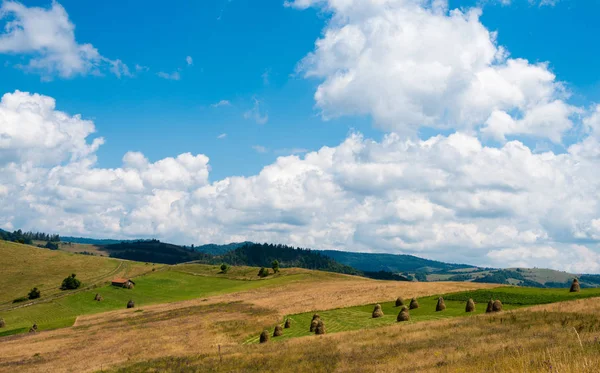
{"x": 278, "y": 332}
{"x": 288, "y": 324}
{"x": 130, "y": 304}
{"x": 403, "y": 315}
{"x": 399, "y": 302}
{"x": 51, "y": 245}
{"x": 414, "y": 304}
{"x": 497, "y": 306}
{"x": 264, "y": 337}
{"x": 70, "y": 283}
{"x": 575, "y": 287}
{"x": 263, "y": 272}
{"x": 224, "y": 268}
{"x": 377, "y": 311}
{"x": 470, "y": 306}
{"x": 441, "y": 306}
{"x": 35, "y": 293}
{"x": 320, "y": 330}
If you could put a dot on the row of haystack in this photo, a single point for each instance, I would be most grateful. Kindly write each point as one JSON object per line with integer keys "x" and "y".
{"x": 278, "y": 332}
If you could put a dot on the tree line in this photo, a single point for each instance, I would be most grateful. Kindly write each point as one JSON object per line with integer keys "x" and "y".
{"x": 28, "y": 237}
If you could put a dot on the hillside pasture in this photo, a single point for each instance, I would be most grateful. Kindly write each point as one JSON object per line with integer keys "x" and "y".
{"x": 24, "y": 267}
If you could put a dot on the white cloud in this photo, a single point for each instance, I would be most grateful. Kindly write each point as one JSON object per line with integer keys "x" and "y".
{"x": 169, "y": 76}
{"x": 413, "y": 63}
{"x": 257, "y": 113}
{"x": 46, "y": 37}
{"x": 222, "y": 136}
{"x": 448, "y": 197}
{"x": 221, "y": 103}
{"x": 260, "y": 149}
{"x": 189, "y": 60}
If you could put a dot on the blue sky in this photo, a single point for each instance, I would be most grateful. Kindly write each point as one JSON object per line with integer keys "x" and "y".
{"x": 466, "y": 131}
{"x": 233, "y": 43}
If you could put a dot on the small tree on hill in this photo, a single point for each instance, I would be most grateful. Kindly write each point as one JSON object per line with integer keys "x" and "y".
{"x": 263, "y": 272}
{"x": 224, "y": 268}
{"x": 70, "y": 283}
{"x": 275, "y": 266}
{"x": 35, "y": 293}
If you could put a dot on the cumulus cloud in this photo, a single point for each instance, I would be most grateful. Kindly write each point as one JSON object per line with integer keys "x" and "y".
{"x": 414, "y": 63}
{"x": 46, "y": 37}
{"x": 447, "y": 197}
{"x": 221, "y": 103}
{"x": 189, "y": 60}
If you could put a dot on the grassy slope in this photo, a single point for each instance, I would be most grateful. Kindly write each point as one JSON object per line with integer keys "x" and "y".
{"x": 24, "y": 267}
{"x": 172, "y": 284}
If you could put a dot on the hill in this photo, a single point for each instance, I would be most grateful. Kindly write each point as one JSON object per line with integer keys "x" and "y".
{"x": 390, "y": 262}
{"x": 25, "y": 266}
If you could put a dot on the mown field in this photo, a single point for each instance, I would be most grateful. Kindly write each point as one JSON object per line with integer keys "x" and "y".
{"x": 360, "y": 317}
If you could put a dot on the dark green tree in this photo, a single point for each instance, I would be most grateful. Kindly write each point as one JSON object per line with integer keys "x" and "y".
{"x": 70, "y": 283}
{"x": 224, "y": 268}
{"x": 275, "y": 265}
{"x": 35, "y": 293}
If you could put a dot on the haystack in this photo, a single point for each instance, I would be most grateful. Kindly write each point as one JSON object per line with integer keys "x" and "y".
{"x": 470, "y": 306}
{"x": 264, "y": 337}
{"x": 288, "y": 324}
{"x": 403, "y": 315}
{"x": 320, "y": 328}
{"x": 575, "y": 287}
{"x": 399, "y": 302}
{"x": 377, "y": 312}
{"x": 490, "y": 307}
{"x": 129, "y": 285}
{"x": 130, "y": 304}
{"x": 497, "y": 306}
{"x": 2, "y": 323}
{"x": 313, "y": 325}
{"x": 278, "y": 331}
{"x": 441, "y": 306}
{"x": 414, "y": 304}
{"x": 98, "y": 297}
{"x": 33, "y": 329}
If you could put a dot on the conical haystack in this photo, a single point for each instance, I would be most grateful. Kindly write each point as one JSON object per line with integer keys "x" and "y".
{"x": 130, "y": 304}
{"x": 470, "y": 306}
{"x": 490, "y": 307}
{"x": 264, "y": 337}
{"x": 2, "y": 323}
{"x": 575, "y": 287}
{"x": 399, "y": 302}
{"x": 441, "y": 306}
{"x": 403, "y": 315}
{"x": 414, "y": 304}
{"x": 288, "y": 324}
{"x": 497, "y": 306}
{"x": 320, "y": 328}
{"x": 278, "y": 332}
{"x": 313, "y": 325}
{"x": 377, "y": 311}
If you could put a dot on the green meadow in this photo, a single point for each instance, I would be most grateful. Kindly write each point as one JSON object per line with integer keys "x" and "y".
{"x": 359, "y": 317}
{"x": 169, "y": 285}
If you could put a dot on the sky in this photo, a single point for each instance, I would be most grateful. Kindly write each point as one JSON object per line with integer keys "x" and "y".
{"x": 464, "y": 131}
